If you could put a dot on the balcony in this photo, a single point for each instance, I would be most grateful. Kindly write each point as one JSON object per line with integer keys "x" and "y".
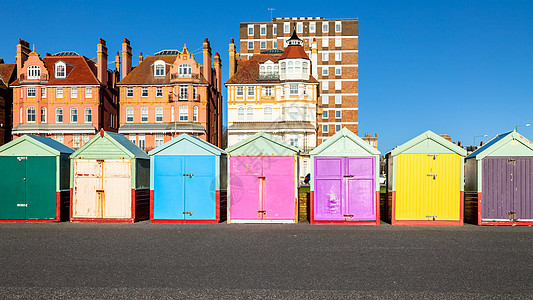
{"x": 268, "y": 76}
{"x": 183, "y": 97}
{"x": 43, "y": 77}
{"x": 184, "y": 77}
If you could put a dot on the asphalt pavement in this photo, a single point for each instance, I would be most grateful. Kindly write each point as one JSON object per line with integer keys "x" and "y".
{"x": 272, "y": 261}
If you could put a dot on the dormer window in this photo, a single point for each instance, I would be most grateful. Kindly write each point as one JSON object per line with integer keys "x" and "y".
{"x": 184, "y": 71}
{"x": 159, "y": 68}
{"x": 61, "y": 70}
{"x": 268, "y": 71}
{"x": 34, "y": 72}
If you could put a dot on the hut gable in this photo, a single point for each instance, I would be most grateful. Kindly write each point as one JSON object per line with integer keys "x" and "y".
{"x": 109, "y": 145}
{"x": 262, "y": 144}
{"x": 29, "y": 145}
{"x": 507, "y": 144}
{"x": 428, "y": 142}
{"x": 186, "y": 144}
{"x": 346, "y": 143}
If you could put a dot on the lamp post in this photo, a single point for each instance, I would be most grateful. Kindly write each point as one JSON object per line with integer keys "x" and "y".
{"x": 524, "y": 125}
{"x": 171, "y": 99}
{"x": 474, "y": 142}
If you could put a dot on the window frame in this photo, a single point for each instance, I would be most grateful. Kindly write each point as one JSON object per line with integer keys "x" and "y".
{"x": 325, "y": 71}
{"x": 262, "y": 45}
{"x": 159, "y": 114}
{"x": 338, "y": 42}
{"x": 33, "y": 72}
{"x": 59, "y": 92}
{"x": 249, "y": 113}
{"x": 183, "y": 113}
{"x": 267, "y": 113}
{"x": 59, "y": 115}
{"x": 88, "y": 114}
{"x": 312, "y": 27}
{"x": 325, "y": 27}
{"x": 325, "y": 99}
{"x": 293, "y": 89}
{"x": 144, "y": 92}
{"x": 159, "y": 91}
{"x": 195, "y": 113}
{"x": 263, "y": 30}
{"x": 159, "y": 68}
{"x": 73, "y": 115}
{"x": 338, "y": 71}
{"x": 338, "y": 99}
{"x": 338, "y": 114}
{"x": 30, "y": 112}
{"x": 338, "y": 26}
{"x": 74, "y": 92}
{"x": 43, "y": 114}
{"x": 250, "y": 90}
{"x": 325, "y": 42}
{"x": 325, "y": 128}
{"x": 325, "y": 114}
{"x": 129, "y": 92}
{"x": 250, "y": 30}
{"x": 89, "y": 92}
{"x": 58, "y": 68}
{"x": 129, "y": 113}
{"x": 29, "y": 92}
{"x": 250, "y": 45}
{"x": 144, "y": 114}
{"x": 241, "y": 114}
{"x": 43, "y": 92}
{"x": 239, "y": 90}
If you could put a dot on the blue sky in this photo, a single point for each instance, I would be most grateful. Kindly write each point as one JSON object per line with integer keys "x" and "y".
{"x": 464, "y": 68}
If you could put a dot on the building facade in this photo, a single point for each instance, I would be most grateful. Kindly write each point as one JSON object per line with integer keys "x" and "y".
{"x": 8, "y": 74}
{"x": 170, "y": 93}
{"x": 336, "y": 64}
{"x": 65, "y": 96}
{"x": 275, "y": 93}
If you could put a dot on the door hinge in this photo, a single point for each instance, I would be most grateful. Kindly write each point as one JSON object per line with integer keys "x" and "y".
{"x": 432, "y": 175}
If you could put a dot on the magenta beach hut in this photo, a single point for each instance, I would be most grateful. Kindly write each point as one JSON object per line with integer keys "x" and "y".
{"x": 344, "y": 181}
{"x": 263, "y": 181}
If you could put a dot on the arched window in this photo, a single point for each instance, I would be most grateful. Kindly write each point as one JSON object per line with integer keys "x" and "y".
{"x": 129, "y": 114}
{"x": 43, "y": 114}
{"x": 88, "y": 115}
{"x": 144, "y": 114}
{"x": 184, "y": 113}
{"x": 240, "y": 113}
{"x": 293, "y": 113}
{"x": 249, "y": 114}
{"x": 59, "y": 115}
{"x": 61, "y": 70}
{"x": 30, "y": 114}
{"x": 267, "y": 113}
{"x": 290, "y": 68}
{"x": 184, "y": 71}
{"x": 159, "y": 114}
{"x": 73, "y": 115}
{"x": 159, "y": 68}
{"x": 34, "y": 72}
{"x": 195, "y": 114}
{"x": 305, "y": 68}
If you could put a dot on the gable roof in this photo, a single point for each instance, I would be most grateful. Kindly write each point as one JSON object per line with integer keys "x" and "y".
{"x": 47, "y": 144}
{"x": 499, "y": 141}
{"x": 118, "y": 140}
{"x": 276, "y": 146}
{"x": 7, "y": 73}
{"x": 79, "y": 70}
{"x": 197, "y": 141}
{"x": 428, "y": 135}
{"x": 345, "y": 133}
{"x": 143, "y": 74}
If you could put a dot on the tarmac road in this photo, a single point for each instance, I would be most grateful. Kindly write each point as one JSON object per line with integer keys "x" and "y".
{"x": 166, "y": 261}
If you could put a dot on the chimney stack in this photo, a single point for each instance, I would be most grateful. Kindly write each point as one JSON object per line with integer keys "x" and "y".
{"x": 218, "y": 71}
{"x": 141, "y": 58}
{"x": 117, "y": 62}
{"x": 314, "y": 59}
{"x": 126, "y": 58}
{"x": 207, "y": 62}
{"x": 232, "y": 58}
{"x": 23, "y": 49}
{"x": 101, "y": 60}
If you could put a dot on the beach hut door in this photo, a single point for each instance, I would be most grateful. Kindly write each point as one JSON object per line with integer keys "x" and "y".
{"x": 359, "y": 202}
{"x": 13, "y": 185}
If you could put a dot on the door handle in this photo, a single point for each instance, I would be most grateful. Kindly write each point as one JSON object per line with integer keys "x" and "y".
{"x": 348, "y": 176}
{"x": 99, "y": 191}
{"x": 189, "y": 175}
{"x": 348, "y": 216}
{"x": 187, "y": 212}
{"x": 433, "y": 175}
{"x": 261, "y": 177}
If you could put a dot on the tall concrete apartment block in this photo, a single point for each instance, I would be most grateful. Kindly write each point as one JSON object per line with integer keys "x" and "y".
{"x": 336, "y": 65}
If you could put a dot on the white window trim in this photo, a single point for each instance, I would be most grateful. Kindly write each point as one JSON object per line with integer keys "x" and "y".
{"x": 128, "y": 89}
{"x": 250, "y": 32}
{"x": 142, "y": 92}
{"x": 339, "y": 69}
{"x": 59, "y": 95}
{"x": 326, "y": 126}
{"x": 128, "y": 109}
{"x": 56, "y": 68}
{"x": 85, "y": 114}
{"x": 88, "y": 92}
{"x": 73, "y": 92}
{"x": 339, "y": 23}
{"x": 263, "y": 27}
{"x": 159, "y": 63}
{"x": 144, "y": 109}
{"x": 28, "y": 91}
{"x": 340, "y": 114}
{"x": 325, "y": 71}
{"x": 72, "y": 115}
{"x": 312, "y": 27}
{"x": 43, "y": 109}
{"x": 34, "y": 114}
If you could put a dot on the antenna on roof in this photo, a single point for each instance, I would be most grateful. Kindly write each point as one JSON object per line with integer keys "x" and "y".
{"x": 271, "y": 9}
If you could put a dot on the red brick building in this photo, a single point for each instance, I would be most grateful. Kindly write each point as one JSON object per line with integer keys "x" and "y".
{"x": 65, "y": 96}
{"x": 8, "y": 74}
{"x": 171, "y": 93}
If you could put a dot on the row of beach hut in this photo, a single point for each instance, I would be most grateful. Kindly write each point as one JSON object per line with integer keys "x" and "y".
{"x": 188, "y": 180}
